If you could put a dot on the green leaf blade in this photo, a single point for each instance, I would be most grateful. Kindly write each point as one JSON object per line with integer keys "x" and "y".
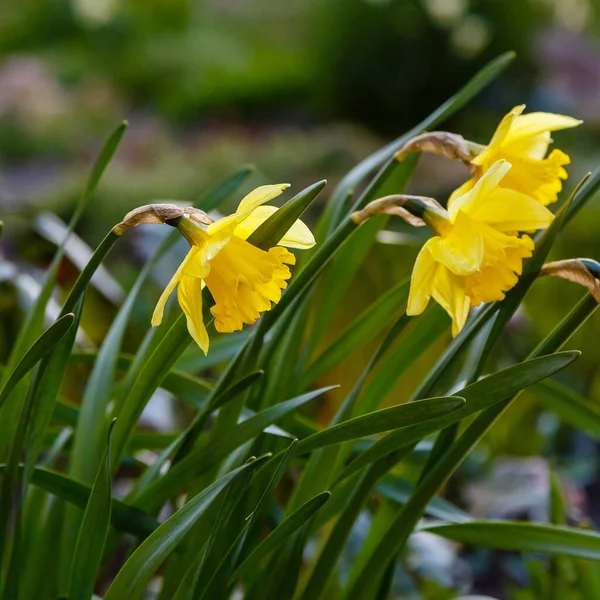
{"x": 92, "y": 533}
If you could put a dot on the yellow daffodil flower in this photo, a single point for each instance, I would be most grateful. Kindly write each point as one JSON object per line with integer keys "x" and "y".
{"x": 242, "y": 278}
{"x": 523, "y": 141}
{"x": 476, "y": 255}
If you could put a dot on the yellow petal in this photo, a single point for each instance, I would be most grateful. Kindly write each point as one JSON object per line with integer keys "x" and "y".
{"x": 157, "y": 315}
{"x": 261, "y": 195}
{"x": 253, "y": 200}
{"x": 189, "y": 294}
{"x": 534, "y": 147}
{"x": 470, "y": 201}
{"x": 535, "y": 123}
{"x": 450, "y": 293}
{"x": 461, "y": 250}
{"x": 421, "y": 281}
{"x": 489, "y": 155}
{"x": 244, "y": 281}
{"x": 507, "y": 210}
{"x": 297, "y": 236}
{"x": 467, "y": 186}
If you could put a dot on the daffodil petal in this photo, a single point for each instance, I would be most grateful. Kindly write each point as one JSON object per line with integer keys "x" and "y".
{"x": 450, "y": 293}
{"x": 535, "y": 123}
{"x": 499, "y": 137}
{"x": 261, "y": 195}
{"x": 189, "y": 294}
{"x": 461, "y": 250}
{"x": 507, "y": 210}
{"x": 253, "y": 200}
{"x": 297, "y": 236}
{"x": 467, "y": 186}
{"x": 421, "y": 281}
{"x": 470, "y": 201}
{"x": 157, "y": 315}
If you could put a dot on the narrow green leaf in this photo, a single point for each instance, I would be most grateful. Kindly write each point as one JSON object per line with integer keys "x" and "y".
{"x": 93, "y": 532}
{"x": 134, "y": 576}
{"x": 270, "y": 232}
{"x": 176, "y": 444}
{"x": 189, "y": 388}
{"x": 573, "y": 408}
{"x": 397, "y": 534}
{"x": 418, "y": 339}
{"x": 42, "y": 346}
{"x": 399, "y": 490}
{"x": 34, "y": 321}
{"x": 12, "y": 490}
{"x": 454, "y": 350}
{"x": 584, "y": 194}
{"x": 386, "y": 419}
{"x": 480, "y": 395}
{"x": 222, "y": 349}
{"x": 223, "y": 538}
{"x": 282, "y": 532}
{"x": 89, "y": 442}
{"x": 52, "y": 368}
{"x": 366, "y": 326}
{"x": 189, "y": 437}
{"x": 351, "y": 503}
{"x": 124, "y": 517}
{"x": 332, "y": 288}
{"x": 202, "y": 459}
{"x": 523, "y": 537}
{"x": 261, "y": 507}
{"x": 149, "y": 378}
{"x": 588, "y": 576}
{"x": 323, "y": 464}
{"x": 106, "y": 154}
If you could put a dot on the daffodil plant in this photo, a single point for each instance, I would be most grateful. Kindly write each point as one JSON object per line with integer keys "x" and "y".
{"x": 267, "y": 483}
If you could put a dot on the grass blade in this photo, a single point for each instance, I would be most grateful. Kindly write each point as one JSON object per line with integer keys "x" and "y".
{"x": 365, "y": 327}
{"x": 202, "y": 459}
{"x": 386, "y": 419}
{"x": 479, "y": 396}
{"x": 573, "y": 408}
{"x": 523, "y": 537}
{"x": 42, "y": 346}
{"x": 282, "y": 532}
{"x": 132, "y": 579}
{"x": 92, "y": 533}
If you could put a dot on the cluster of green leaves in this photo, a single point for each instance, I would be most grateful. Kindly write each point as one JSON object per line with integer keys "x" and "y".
{"x": 252, "y": 496}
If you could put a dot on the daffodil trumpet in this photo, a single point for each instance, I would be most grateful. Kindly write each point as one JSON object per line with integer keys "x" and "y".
{"x": 243, "y": 280}
{"x": 477, "y": 250}
{"x": 521, "y": 139}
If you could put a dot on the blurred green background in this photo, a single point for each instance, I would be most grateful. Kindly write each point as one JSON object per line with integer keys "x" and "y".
{"x": 303, "y": 89}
